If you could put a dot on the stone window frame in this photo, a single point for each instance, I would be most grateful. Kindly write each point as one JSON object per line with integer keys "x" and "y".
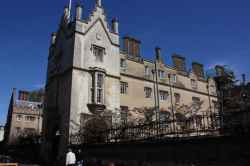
{"x": 173, "y": 78}
{"x": 148, "y": 92}
{"x": 163, "y": 95}
{"x": 123, "y": 64}
{"x": 194, "y": 83}
{"x": 29, "y": 118}
{"x": 124, "y": 114}
{"x": 98, "y": 87}
{"x": 123, "y": 87}
{"x": 161, "y": 74}
{"x": 147, "y": 71}
{"x": 177, "y": 98}
{"x": 98, "y": 52}
{"x": 19, "y": 117}
{"x": 196, "y": 100}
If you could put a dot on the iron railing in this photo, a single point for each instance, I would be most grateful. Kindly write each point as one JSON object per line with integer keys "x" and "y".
{"x": 202, "y": 125}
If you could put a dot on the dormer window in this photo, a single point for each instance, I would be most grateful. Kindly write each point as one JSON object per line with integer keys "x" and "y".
{"x": 98, "y": 53}
{"x": 123, "y": 65}
{"x": 161, "y": 74}
{"x": 173, "y": 78}
{"x": 147, "y": 71}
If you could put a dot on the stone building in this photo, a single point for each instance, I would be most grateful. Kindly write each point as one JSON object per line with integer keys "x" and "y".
{"x": 24, "y": 117}
{"x": 1, "y": 133}
{"x": 91, "y": 76}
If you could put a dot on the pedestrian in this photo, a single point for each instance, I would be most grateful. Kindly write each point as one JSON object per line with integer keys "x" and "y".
{"x": 70, "y": 158}
{"x": 79, "y": 158}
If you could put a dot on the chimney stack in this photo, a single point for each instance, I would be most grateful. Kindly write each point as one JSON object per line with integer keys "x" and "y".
{"x": 158, "y": 54}
{"x": 115, "y": 25}
{"x": 14, "y": 95}
{"x": 198, "y": 69}
{"x": 53, "y": 38}
{"x": 79, "y": 9}
{"x": 132, "y": 46}
{"x": 243, "y": 79}
{"x": 23, "y": 95}
{"x": 179, "y": 62}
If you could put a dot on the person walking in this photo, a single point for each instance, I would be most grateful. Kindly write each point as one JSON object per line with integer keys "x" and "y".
{"x": 70, "y": 158}
{"x": 79, "y": 158}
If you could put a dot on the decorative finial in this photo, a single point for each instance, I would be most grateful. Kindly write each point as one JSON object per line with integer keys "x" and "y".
{"x": 115, "y": 25}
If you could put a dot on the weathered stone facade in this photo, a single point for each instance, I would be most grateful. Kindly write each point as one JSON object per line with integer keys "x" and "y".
{"x": 91, "y": 77}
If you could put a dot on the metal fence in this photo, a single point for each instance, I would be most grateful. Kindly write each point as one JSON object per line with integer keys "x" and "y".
{"x": 202, "y": 125}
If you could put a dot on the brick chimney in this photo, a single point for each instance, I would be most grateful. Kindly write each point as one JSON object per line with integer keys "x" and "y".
{"x": 132, "y": 46}
{"x": 179, "y": 62}
{"x": 158, "y": 55}
{"x": 198, "y": 69}
{"x": 23, "y": 95}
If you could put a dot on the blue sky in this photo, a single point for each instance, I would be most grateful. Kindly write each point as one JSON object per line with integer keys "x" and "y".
{"x": 211, "y": 32}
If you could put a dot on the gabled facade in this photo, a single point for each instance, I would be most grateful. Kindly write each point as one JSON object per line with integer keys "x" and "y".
{"x": 91, "y": 77}
{"x": 25, "y": 117}
{"x": 83, "y": 76}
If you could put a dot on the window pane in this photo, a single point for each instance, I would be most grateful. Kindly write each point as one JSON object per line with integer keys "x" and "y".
{"x": 147, "y": 70}
{"x": 99, "y": 95}
{"x": 99, "y": 80}
{"x": 163, "y": 95}
{"x": 173, "y": 78}
{"x": 194, "y": 84}
{"x": 99, "y": 98}
{"x": 148, "y": 92}
{"x": 99, "y": 53}
{"x": 196, "y": 99}
{"x": 124, "y": 87}
{"x": 123, "y": 63}
{"x": 161, "y": 74}
{"x": 177, "y": 97}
